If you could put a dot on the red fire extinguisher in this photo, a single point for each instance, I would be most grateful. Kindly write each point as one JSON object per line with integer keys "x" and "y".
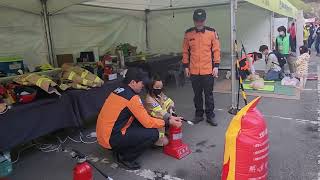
{"x": 176, "y": 148}
{"x": 83, "y": 169}
{"x": 107, "y": 65}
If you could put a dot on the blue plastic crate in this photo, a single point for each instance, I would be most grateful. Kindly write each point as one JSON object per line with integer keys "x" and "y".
{"x": 11, "y": 65}
{"x": 5, "y": 164}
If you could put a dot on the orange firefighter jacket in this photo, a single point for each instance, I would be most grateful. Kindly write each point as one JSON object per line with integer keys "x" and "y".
{"x": 201, "y": 51}
{"x": 119, "y": 110}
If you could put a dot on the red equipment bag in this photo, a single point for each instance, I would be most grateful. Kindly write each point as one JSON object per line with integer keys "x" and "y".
{"x": 246, "y": 146}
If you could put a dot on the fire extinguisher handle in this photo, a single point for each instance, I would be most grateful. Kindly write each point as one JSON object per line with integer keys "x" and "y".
{"x": 102, "y": 173}
{"x": 77, "y": 154}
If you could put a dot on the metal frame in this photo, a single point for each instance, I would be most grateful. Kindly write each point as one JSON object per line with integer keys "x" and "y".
{"x": 147, "y": 11}
{"x": 299, "y": 25}
{"x": 45, "y": 17}
{"x": 233, "y": 37}
{"x": 191, "y": 7}
{"x": 233, "y": 10}
{"x": 126, "y": 9}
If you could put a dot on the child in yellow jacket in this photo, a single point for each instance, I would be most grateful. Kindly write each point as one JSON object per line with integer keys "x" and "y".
{"x": 159, "y": 105}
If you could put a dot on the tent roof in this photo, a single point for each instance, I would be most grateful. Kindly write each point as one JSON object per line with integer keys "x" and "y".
{"x": 153, "y": 4}
{"x": 34, "y": 6}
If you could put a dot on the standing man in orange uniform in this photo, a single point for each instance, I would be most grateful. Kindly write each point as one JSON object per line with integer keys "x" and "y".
{"x": 201, "y": 59}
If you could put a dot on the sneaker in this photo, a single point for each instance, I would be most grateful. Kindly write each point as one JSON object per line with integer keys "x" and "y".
{"x": 212, "y": 121}
{"x": 197, "y": 119}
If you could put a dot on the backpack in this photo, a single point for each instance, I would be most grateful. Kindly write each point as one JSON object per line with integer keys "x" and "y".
{"x": 281, "y": 58}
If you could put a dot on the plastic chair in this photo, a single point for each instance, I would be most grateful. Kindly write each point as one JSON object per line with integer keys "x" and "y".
{"x": 177, "y": 71}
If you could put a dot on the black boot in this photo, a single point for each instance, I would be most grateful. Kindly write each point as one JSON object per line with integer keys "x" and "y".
{"x": 197, "y": 119}
{"x": 212, "y": 121}
{"x": 129, "y": 165}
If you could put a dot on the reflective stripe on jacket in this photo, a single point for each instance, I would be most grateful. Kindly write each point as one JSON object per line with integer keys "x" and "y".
{"x": 159, "y": 107}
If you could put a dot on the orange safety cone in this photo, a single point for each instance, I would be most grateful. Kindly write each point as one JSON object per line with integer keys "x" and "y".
{"x": 176, "y": 148}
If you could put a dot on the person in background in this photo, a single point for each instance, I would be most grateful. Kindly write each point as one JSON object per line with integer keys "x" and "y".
{"x": 306, "y": 34}
{"x": 124, "y": 125}
{"x": 302, "y": 65}
{"x": 317, "y": 45}
{"x": 246, "y": 64}
{"x": 293, "y": 40}
{"x": 273, "y": 69}
{"x": 159, "y": 106}
{"x": 201, "y": 59}
{"x": 283, "y": 42}
{"x": 311, "y": 37}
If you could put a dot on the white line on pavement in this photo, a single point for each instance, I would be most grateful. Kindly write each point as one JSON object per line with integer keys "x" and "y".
{"x": 145, "y": 173}
{"x": 148, "y": 174}
{"x": 288, "y": 118}
{"x": 310, "y": 90}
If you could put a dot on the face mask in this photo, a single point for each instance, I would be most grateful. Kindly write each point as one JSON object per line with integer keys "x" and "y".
{"x": 157, "y": 92}
{"x": 282, "y": 33}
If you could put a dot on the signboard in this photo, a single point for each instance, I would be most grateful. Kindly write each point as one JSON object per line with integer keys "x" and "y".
{"x": 283, "y": 7}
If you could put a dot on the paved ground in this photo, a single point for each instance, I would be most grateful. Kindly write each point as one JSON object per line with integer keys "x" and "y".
{"x": 294, "y": 145}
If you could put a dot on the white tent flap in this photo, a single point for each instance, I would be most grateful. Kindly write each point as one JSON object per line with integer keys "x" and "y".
{"x": 22, "y": 36}
{"x": 167, "y": 27}
{"x": 84, "y": 28}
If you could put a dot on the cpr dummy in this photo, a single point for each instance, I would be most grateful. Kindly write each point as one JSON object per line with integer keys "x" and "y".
{"x": 257, "y": 82}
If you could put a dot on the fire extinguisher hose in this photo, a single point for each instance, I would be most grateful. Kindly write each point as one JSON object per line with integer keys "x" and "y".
{"x": 78, "y": 154}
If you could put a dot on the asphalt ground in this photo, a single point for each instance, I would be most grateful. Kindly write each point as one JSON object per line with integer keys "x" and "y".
{"x": 293, "y": 155}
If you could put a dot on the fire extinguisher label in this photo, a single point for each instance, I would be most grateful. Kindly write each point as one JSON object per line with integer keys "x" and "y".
{"x": 177, "y": 136}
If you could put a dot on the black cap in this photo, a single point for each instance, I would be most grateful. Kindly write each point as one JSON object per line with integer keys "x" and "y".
{"x": 263, "y": 48}
{"x": 199, "y": 15}
{"x": 282, "y": 28}
{"x": 137, "y": 75}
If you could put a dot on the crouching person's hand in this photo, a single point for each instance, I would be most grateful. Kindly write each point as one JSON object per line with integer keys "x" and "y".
{"x": 175, "y": 121}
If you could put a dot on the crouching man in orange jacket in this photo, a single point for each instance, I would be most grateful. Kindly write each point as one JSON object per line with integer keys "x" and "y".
{"x": 125, "y": 126}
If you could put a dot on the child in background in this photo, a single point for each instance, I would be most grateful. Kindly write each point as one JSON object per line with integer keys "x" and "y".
{"x": 302, "y": 65}
{"x": 159, "y": 106}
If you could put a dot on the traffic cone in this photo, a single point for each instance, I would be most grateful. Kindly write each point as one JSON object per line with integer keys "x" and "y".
{"x": 176, "y": 148}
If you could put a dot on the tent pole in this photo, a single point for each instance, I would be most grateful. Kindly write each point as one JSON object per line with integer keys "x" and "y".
{"x": 47, "y": 32}
{"x": 299, "y": 29}
{"x": 147, "y": 11}
{"x": 233, "y": 35}
{"x": 271, "y": 30}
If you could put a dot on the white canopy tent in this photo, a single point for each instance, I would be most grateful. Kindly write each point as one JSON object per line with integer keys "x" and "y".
{"x": 39, "y": 29}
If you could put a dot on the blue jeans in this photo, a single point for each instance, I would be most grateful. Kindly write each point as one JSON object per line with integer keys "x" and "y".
{"x": 318, "y": 45}
{"x": 310, "y": 42}
{"x": 272, "y": 75}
